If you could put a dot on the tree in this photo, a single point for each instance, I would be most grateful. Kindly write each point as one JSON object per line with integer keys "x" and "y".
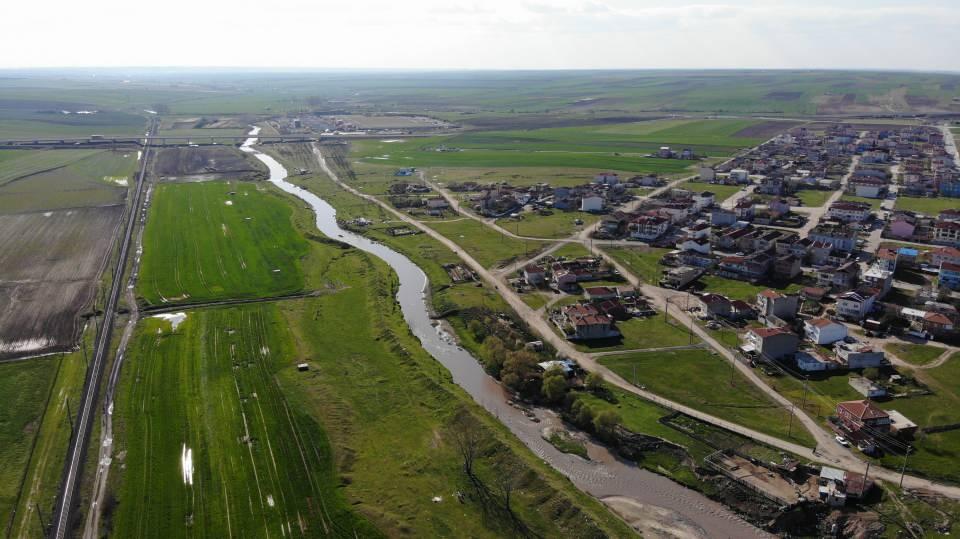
{"x": 496, "y": 355}
{"x": 605, "y": 423}
{"x": 554, "y": 385}
{"x": 518, "y": 368}
{"x": 584, "y": 416}
{"x": 478, "y": 330}
{"x": 594, "y": 382}
{"x": 467, "y": 437}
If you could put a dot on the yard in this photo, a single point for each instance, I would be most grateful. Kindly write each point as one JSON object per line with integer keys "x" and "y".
{"x": 559, "y": 224}
{"x": 721, "y": 192}
{"x": 813, "y": 198}
{"x": 701, "y": 379}
{"x": 873, "y": 202}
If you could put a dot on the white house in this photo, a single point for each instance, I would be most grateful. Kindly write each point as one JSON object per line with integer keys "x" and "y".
{"x": 824, "y": 330}
{"x": 849, "y": 211}
{"x": 607, "y": 178}
{"x": 648, "y": 227}
{"x": 740, "y": 175}
{"x": 854, "y": 305}
{"x": 703, "y": 200}
{"x": 707, "y": 174}
{"x": 591, "y": 203}
{"x": 701, "y": 245}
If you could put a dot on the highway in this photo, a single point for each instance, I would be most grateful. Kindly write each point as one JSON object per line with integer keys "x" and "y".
{"x": 77, "y": 450}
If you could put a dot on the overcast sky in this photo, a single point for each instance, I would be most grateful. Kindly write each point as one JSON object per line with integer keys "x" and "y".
{"x": 484, "y": 34}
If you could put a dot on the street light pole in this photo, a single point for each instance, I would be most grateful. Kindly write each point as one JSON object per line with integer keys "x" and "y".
{"x": 903, "y": 467}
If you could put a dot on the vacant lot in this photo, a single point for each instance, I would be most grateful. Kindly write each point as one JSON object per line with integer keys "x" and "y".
{"x": 917, "y": 354}
{"x": 705, "y": 381}
{"x": 49, "y": 265}
{"x": 24, "y": 387}
{"x": 206, "y": 163}
{"x": 928, "y": 206}
{"x": 216, "y": 240}
{"x": 743, "y": 290}
{"x": 486, "y": 245}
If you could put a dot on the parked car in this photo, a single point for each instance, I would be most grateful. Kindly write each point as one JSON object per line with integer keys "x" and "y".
{"x": 842, "y": 441}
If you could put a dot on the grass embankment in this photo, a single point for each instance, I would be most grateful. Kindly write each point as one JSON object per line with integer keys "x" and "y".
{"x": 703, "y": 380}
{"x": 42, "y": 472}
{"x": 915, "y": 354}
{"x": 217, "y": 240}
{"x": 60, "y": 179}
{"x": 24, "y": 388}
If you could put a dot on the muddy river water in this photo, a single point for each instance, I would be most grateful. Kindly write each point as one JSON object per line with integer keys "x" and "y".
{"x": 661, "y": 507}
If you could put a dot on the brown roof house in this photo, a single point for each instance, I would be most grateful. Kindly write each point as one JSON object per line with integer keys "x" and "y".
{"x": 771, "y": 343}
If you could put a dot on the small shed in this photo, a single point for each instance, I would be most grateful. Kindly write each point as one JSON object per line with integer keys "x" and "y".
{"x": 303, "y": 367}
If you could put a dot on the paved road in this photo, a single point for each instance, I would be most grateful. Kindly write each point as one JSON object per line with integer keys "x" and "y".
{"x": 829, "y": 451}
{"x": 76, "y": 451}
{"x": 950, "y": 141}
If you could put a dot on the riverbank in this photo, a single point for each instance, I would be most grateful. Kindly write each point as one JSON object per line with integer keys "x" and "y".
{"x": 601, "y": 477}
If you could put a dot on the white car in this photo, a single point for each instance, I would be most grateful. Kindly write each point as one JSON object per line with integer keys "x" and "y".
{"x": 842, "y": 441}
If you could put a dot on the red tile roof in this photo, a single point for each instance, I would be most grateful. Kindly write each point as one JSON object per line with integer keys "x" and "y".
{"x": 821, "y": 322}
{"x": 862, "y": 409}
{"x": 763, "y": 333}
{"x": 772, "y": 294}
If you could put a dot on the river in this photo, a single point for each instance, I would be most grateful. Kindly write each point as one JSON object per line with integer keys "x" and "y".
{"x": 663, "y": 507}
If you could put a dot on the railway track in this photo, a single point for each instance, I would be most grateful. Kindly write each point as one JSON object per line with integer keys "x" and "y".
{"x": 76, "y": 452}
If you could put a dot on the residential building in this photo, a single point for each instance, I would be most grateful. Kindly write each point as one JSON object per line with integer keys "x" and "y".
{"x": 824, "y": 331}
{"x": 595, "y": 293}
{"x": 679, "y": 278}
{"x": 842, "y": 277}
{"x": 787, "y": 267}
{"x": 772, "y": 343}
{"x": 866, "y": 387}
{"x": 878, "y": 278}
{"x": 949, "y": 275}
{"x": 648, "y": 227}
{"x": 859, "y": 355}
{"x": 703, "y": 200}
{"x": 946, "y": 232}
{"x": 534, "y": 275}
{"x": 945, "y": 254}
{"x": 841, "y": 238}
{"x": 591, "y": 203}
{"x": 855, "y": 305}
{"x": 900, "y": 425}
{"x": 886, "y": 259}
{"x": 606, "y": 178}
{"x": 773, "y": 304}
{"x": 722, "y": 217}
{"x": 707, "y": 174}
{"x": 849, "y": 211}
{"x": 857, "y": 415}
{"x": 586, "y": 322}
{"x": 715, "y": 305}
{"x": 867, "y": 187}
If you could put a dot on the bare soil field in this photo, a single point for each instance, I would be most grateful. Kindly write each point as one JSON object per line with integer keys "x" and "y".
{"x": 49, "y": 265}
{"x": 207, "y": 163}
{"x": 765, "y": 130}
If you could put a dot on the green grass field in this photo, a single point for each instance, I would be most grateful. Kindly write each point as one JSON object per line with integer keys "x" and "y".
{"x": 640, "y": 333}
{"x": 211, "y": 388}
{"x": 486, "y": 245}
{"x": 560, "y": 224}
{"x": 813, "y": 198}
{"x": 198, "y": 247}
{"x": 60, "y": 179}
{"x": 642, "y": 261}
{"x": 705, "y": 381}
{"x": 43, "y": 471}
{"x": 743, "y": 290}
{"x": 24, "y": 388}
{"x": 721, "y": 192}
{"x": 916, "y": 354}
{"x": 928, "y": 206}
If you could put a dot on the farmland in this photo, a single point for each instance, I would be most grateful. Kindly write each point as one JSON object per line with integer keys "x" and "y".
{"x": 46, "y": 289}
{"x": 49, "y": 180}
{"x": 206, "y": 163}
{"x": 216, "y": 240}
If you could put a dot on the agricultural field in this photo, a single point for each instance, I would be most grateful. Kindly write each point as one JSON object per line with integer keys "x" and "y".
{"x": 701, "y": 379}
{"x": 206, "y": 163}
{"x": 45, "y": 290}
{"x": 49, "y": 180}
{"x": 927, "y": 206}
{"x": 216, "y": 240}
{"x": 27, "y": 119}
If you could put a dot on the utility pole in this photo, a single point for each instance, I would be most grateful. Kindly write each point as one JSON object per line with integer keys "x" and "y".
{"x": 866, "y": 474}
{"x": 790, "y": 428}
{"x": 903, "y": 468}
{"x": 43, "y": 525}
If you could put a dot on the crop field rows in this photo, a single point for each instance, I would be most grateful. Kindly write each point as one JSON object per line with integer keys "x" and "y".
{"x": 217, "y": 240}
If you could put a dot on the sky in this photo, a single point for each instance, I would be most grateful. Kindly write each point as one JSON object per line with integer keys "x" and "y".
{"x": 484, "y": 34}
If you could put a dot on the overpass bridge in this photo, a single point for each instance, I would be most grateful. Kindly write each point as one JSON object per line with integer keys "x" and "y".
{"x": 107, "y": 142}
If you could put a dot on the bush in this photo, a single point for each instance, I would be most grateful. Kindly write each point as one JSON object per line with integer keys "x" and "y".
{"x": 554, "y": 385}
